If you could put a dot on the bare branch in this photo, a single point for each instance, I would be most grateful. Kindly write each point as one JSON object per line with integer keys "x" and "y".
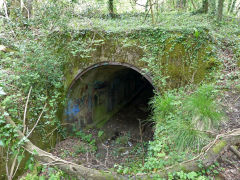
{"x": 36, "y": 122}
{"x": 235, "y": 151}
{"x": 6, "y": 164}
{"x": 5, "y": 9}
{"x": 208, "y": 155}
{"x": 76, "y": 170}
{"x": 25, "y": 111}
{"x": 17, "y": 166}
{"x": 13, "y": 165}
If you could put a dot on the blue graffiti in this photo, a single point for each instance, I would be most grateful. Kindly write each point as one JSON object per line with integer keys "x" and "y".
{"x": 72, "y": 109}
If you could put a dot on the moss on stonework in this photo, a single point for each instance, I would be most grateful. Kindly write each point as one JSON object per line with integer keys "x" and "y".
{"x": 219, "y": 146}
{"x": 180, "y": 56}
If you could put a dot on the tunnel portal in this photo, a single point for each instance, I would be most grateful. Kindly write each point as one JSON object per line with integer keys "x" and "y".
{"x": 102, "y": 91}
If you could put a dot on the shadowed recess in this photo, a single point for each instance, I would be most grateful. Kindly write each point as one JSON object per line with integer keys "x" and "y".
{"x": 104, "y": 91}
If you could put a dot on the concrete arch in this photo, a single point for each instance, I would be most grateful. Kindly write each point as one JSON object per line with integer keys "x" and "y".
{"x": 106, "y": 63}
{"x": 101, "y": 90}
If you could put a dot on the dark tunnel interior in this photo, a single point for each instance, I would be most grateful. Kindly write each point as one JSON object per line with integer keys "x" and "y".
{"x": 113, "y": 98}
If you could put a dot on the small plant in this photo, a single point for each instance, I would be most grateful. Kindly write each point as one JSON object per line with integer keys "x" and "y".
{"x": 238, "y": 87}
{"x": 123, "y": 140}
{"x": 79, "y": 149}
{"x": 33, "y": 177}
{"x": 87, "y": 138}
{"x": 65, "y": 154}
{"x": 100, "y": 133}
{"x": 49, "y": 173}
{"x": 186, "y": 176}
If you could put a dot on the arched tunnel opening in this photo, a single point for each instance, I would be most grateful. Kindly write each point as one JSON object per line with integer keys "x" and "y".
{"x": 112, "y": 101}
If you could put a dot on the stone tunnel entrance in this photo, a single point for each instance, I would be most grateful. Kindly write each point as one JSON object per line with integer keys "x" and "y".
{"x": 114, "y": 99}
{"x": 101, "y": 91}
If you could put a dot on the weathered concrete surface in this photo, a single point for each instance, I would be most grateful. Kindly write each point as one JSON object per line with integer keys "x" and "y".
{"x": 88, "y": 104}
{"x": 108, "y": 51}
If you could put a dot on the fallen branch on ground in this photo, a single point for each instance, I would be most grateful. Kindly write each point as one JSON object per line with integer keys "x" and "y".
{"x": 44, "y": 157}
{"x": 235, "y": 151}
{"x": 208, "y": 155}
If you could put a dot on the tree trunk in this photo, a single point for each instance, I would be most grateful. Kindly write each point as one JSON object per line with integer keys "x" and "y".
{"x": 184, "y": 2}
{"x": 233, "y": 6}
{"x": 151, "y": 9}
{"x": 146, "y": 6}
{"x": 111, "y": 8}
{"x": 194, "y": 6}
{"x": 173, "y": 3}
{"x": 229, "y": 5}
{"x": 204, "y": 6}
{"x": 212, "y": 4}
{"x": 220, "y": 10}
{"x": 30, "y": 7}
{"x": 203, "y": 9}
{"x": 5, "y": 9}
{"x": 27, "y": 9}
{"x": 179, "y": 3}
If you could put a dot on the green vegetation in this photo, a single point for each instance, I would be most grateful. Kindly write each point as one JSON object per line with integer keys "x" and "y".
{"x": 182, "y": 125}
{"x": 182, "y": 45}
{"x": 87, "y": 138}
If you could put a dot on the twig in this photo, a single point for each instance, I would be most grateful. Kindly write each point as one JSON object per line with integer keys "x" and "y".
{"x": 18, "y": 165}
{"x": 100, "y": 163}
{"x": 87, "y": 157}
{"x": 37, "y": 121}
{"x": 141, "y": 137}
{"x": 23, "y": 6}
{"x": 14, "y": 164}
{"x": 237, "y": 98}
{"x": 235, "y": 151}
{"x": 206, "y": 148}
{"x": 5, "y": 9}
{"x": 193, "y": 76}
{"x": 25, "y": 111}
{"x": 27, "y": 12}
{"x": 140, "y": 4}
{"x": 6, "y": 164}
{"x": 76, "y": 170}
{"x": 106, "y": 158}
{"x": 57, "y": 128}
{"x": 146, "y": 16}
{"x": 151, "y": 8}
{"x": 94, "y": 34}
{"x": 194, "y": 6}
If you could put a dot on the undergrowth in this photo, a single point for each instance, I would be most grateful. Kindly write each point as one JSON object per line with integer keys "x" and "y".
{"x": 184, "y": 118}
